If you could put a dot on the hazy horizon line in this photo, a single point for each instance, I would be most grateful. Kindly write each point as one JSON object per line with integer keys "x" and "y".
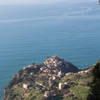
{"x": 33, "y": 2}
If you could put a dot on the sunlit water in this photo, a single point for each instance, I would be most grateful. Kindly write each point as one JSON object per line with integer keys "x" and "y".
{"x": 30, "y": 33}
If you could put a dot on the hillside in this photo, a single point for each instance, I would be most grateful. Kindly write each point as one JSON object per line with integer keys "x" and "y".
{"x": 54, "y": 79}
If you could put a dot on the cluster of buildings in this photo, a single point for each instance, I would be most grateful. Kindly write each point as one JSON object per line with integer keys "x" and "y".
{"x": 50, "y": 71}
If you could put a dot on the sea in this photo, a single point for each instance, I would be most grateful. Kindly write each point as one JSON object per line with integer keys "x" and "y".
{"x": 30, "y": 33}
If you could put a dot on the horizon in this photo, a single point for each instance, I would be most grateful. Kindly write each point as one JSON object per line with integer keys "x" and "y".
{"x": 33, "y": 2}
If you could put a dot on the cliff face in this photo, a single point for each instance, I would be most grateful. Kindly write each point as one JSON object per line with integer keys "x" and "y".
{"x": 54, "y": 79}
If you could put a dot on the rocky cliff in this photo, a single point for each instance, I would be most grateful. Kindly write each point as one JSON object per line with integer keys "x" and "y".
{"x": 54, "y": 79}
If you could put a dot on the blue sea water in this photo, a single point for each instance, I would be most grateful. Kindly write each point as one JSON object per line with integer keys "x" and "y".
{"x": 29, "y": 33}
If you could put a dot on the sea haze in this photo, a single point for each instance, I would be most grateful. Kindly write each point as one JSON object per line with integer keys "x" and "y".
{"x": 29, "y": 33}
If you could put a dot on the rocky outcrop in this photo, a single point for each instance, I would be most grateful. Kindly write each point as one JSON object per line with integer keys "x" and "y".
{"x": 54, "y": 79}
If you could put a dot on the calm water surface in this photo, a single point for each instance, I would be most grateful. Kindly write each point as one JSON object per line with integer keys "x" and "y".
{"x": 29, "y": 33}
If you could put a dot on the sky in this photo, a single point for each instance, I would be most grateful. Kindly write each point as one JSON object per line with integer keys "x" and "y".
{"x": 28, "y": 1}
{"x": 25, "y": 2}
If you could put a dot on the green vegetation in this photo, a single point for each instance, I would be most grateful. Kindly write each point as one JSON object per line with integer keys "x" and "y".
{"x": 80, "y": 91}
{"x": 95, "y": 84}
{"x": 43, "y": 82}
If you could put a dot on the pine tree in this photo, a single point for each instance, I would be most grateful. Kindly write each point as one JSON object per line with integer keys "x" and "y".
{"x": 95, "y": 84}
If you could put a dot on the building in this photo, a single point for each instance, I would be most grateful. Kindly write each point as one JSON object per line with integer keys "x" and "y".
{"x": 60, "y": 86}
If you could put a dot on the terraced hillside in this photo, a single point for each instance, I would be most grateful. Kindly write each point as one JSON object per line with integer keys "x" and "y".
{"x": 54, "y": 79}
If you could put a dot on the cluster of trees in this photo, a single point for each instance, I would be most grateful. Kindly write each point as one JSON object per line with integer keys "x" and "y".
{"x": 95, "y": 85}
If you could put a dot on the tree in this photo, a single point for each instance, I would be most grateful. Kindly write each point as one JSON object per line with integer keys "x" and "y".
{"x": 99, "y": 2}
{"x": 94, "y": 93}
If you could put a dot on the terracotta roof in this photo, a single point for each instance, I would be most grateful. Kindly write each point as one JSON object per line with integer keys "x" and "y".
{"x": 43, "y": 75}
